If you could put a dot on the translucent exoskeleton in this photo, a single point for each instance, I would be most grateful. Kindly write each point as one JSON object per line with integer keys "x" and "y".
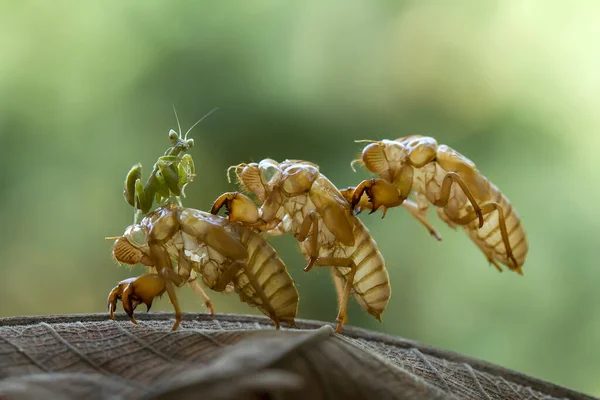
{"x": 440, "y": 176}
{"x": 180, "y": 245}
{"x": 295, "y": 197}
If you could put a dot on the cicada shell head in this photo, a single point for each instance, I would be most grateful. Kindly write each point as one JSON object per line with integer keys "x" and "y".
{"x": 130, "y": 248}
{"x": 421, "y": 149}
{"x": 270, "y": 173}
{"x": 299, "y": 177}
{"x": 290, "y": 162}
{"x": 248, "y": 177}
{"x": 125, "y": 253}
{"x": 384, "y": 157}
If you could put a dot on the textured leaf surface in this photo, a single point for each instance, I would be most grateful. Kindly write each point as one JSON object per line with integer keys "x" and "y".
{"x": 237, "y": 357}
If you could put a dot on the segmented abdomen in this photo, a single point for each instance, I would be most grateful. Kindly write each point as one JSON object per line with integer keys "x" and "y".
{"x": 428, "y": 180}
{"x": 489, "y": 236}
{"x": 276, "y": 294}
{"x": 371, "y": 285}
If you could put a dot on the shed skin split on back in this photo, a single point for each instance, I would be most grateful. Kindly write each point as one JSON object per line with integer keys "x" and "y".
{"x": 440, "y": 176}
{"x": 296, "y": 198}
{"x": 181, "y": 245}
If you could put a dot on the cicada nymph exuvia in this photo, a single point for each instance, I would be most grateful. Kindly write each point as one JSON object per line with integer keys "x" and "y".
{"x": 181, "y": 245}
{"x": 296, "y": 198}
{"x": 440, "y": 176}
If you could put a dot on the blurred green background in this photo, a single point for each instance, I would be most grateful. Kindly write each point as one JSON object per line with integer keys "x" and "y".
{"x": 87, "y": 90}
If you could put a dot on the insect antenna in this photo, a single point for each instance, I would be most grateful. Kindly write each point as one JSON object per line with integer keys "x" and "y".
{"x": 365, "y": 141}
{"x": 358, "y": 158}
{"x": 112, "y": 238}
{"x": 235, "y": 168}
{"x": 177, "y": 118}
{"x": 228, "y": 174}
{"x": 200, "y": 120}
{"x": 355, "y": 161}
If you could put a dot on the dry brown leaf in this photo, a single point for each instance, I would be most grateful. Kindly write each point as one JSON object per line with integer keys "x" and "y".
{"x": 237, "y": 357}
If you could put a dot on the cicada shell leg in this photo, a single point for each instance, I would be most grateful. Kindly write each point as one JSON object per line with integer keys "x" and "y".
{"x": 334, "y": 262}
{"x": 449, "y": 179}
{"x": 414, "y": 210}
{"x": 486, "y": 209}
{"x": 133, "y": 291}
{"x": 228, "y": 276}
{"x": 310, "y": 221}
{"x": 381, "y": 193}
{"x": 195, "y": 285}
{"x": 338, "y": 283}
{"x": 173, "y": 298}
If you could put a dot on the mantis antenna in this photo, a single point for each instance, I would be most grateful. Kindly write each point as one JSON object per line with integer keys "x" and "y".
{"x": 197, "y": 122}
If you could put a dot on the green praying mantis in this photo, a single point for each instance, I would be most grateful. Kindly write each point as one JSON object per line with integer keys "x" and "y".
{"x": 171, "y": 173}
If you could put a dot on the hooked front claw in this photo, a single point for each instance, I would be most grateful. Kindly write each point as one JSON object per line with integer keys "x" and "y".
{"x": 223, "y": 200}
{"x": 380, "y": 193}
{"x": 240, "y": 208}
{"x": 134, "y": 291}
{"x": 348, "y": 193}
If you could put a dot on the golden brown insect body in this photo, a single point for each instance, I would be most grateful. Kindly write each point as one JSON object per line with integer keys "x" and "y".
{"x": 439, "y": 175}
{"x": 226, "y": 255}
{"x": 296, "y": 198}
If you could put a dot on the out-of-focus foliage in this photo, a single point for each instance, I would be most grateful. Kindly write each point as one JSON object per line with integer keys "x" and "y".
{"x": 87, "y": 89}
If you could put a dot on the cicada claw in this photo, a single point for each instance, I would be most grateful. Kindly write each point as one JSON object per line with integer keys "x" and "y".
{"x": 380, "y": 193}
{"x": 134, "y": 291}
{"x": 239, "y": 207}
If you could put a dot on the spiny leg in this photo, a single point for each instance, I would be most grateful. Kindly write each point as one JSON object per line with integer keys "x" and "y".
{"x": 241, "y": 208}
{"x": 228, "y": 275}
{"x": 133, "y": 291}
{"x": 381, "y": 193}
{"x": 172, "y": 296}
{"x": 310, "y": 221}
{"x": 343, "y": 302}
{"x": 184, "y": 269}
{"x": 486, "y": 209}
{"x": 449, "y": 179}
{"x": 414, "y": 210}
{"x": 338, "y": 282}
{"x": 363, "y": 202}
{"x": 165, "y": 268}
{"x": 195, "y": 285}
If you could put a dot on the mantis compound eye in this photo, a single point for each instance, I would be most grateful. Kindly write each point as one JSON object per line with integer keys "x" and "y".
{"x": 173, "y": 137}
